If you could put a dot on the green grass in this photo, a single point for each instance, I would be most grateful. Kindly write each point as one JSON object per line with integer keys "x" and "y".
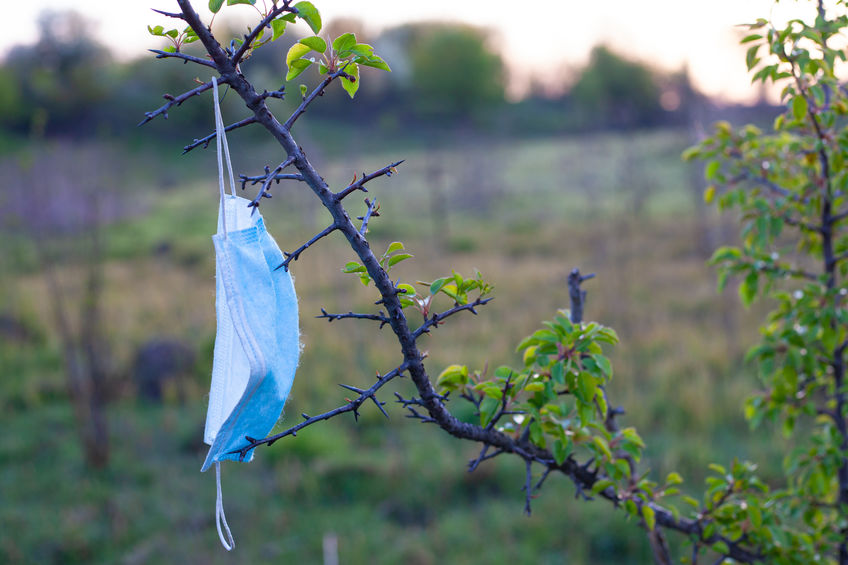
{"x": 392, "y": 491}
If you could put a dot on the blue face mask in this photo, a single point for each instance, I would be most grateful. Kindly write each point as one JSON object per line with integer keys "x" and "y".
{"x": 257, "y": 344}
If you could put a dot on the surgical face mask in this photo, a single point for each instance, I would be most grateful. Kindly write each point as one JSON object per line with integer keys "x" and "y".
{"x": 257, "y": 343}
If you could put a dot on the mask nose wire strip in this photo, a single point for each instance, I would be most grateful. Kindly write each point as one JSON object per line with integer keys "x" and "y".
{"x": 222, "y": 147}
{"x": 220, "y": 518}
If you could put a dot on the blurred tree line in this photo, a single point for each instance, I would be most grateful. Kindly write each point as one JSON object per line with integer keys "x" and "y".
{"x": 67, "y": 84}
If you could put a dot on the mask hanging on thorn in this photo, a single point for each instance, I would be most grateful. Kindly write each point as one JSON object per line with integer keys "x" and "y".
{"x": 257, "y": 344}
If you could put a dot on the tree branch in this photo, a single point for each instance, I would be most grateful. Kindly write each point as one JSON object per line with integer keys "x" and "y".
{"x": 205, "y": 140}
{"x": 266, "y": 22}
{"x": 174, "y": 101}
{"x": 179, "y": 55}
{"x": 293, "y": 256}
{"x": 439, "y": 317}
{"x": 372, "y": 211}
{"x": 319, "y": 91}
{"x": 388, "y": 170}
{"x": 351, "y": 406}
{"x": 350, "y": 315}
{"x": 270, "y": 176}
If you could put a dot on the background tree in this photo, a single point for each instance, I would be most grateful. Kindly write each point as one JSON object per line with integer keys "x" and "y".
{"x": 454, "y": 73}
{"x": 615, "y": 92}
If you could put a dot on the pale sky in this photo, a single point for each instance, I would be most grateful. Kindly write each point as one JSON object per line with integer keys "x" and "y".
{"x": 541, "y": 38}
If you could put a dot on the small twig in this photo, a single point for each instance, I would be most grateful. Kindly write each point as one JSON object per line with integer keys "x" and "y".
{"x": 360, "y": 184}
{"x": 439, "y": 317}
{"x": 318, "y": 91}
{"x": 205, "y": 140}
{"x": 185, "y": 58}
{"x": 576, "y": 294}
{"x": 369, "y": 213}
{"x": 266, "y": 22}
{"x": 295, "y": 254}
{"x": 261, "y": 178}
{"x": 269, "y": 178}
{"x": 174, "y": 101}
{"x": 351, "y": 406}
{"x": 354, "y": 316}
{"x": 542, "y": 480}
{"x": 169, "y": 14}
{"x": 279, "y": 93}
{"x": 528, "y": 488}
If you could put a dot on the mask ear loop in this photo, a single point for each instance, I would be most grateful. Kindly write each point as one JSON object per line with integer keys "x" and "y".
{"x": 224, "y": 534}
{"x": 222, "y": 147}
{"x": 220, "y": 518}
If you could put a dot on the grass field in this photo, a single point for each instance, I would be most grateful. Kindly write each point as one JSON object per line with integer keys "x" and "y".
{"x": 622, "y": 206}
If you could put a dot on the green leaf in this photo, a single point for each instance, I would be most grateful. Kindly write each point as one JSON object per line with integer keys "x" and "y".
{"x": 296, "y": 51}
{"x": 603, "y": 446}
{"x": 157, "y": 31}
{"x": 453, "y": 377}
{"x": 395, "y": 259}
{"x": 278, "y": 26}
{"x": 748, "y": 288}
{"x": 712, "y": 169}
{"x": 215, "y": 5}
{"x": 561, "y": 451}
{"x": 303, "y": 90}
{"x": 315, "y": 43}
{"x": 234, "y": 2}
{"x": 172, "y": 33}
{"x": 394, "y": 246}
{"x": 586, "y": 387}
{"x": 709, "y": 194}
{"x": 362, "y": 49}
{"x": 309, "y": 13}
{"x": 799, "y": 107}
{"x": 721, "y": 548}
{"x": 407, "y": 289}
{"x": 437, "y": 285}
{"x": 351, "y": 86}
{"x": 373, "y": 61}
{"x": 751, "y": 58}
{"x": 488, "y": 408}
{"x": 601, "y": 485}
{"x": 650, "y": 517}
{"x": 296, "y": 67}
{"x": 604, "y": 364}
{"x": 673, "y": 478}
{"x": 343, "y": 43}
{"x": 353, "y": 267}
{"x": 755, "y": 514}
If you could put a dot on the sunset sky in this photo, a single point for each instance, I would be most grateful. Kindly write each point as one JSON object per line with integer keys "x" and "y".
{"x": 537, "y": 38}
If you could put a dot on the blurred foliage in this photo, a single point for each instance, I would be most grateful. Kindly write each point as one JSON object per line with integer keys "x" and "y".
{"x": 444, "y": 76}
{"x": 612, "y": 91}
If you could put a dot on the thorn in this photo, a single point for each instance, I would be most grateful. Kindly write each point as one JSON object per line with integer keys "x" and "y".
{"x": 352, "y": 389}
{"x": 305, "y": 416}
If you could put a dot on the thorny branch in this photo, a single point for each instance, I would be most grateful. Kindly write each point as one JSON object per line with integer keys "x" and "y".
{"x": 438, "y": 317}
{"x": 270, "y": 176}
{"x": 352, "y": 405}
{"x": 429, "y": 401}
{"x": 204, "y": 141}
{"x": 388, "y": 170}
{"x": 261, "y": 178}
{"x": 174, "y": 101}
{"x": 295, "y": 254}
{"x": 355, "y": 316}
{"x": 372, "y": 211}
{"x": 183, "y": 56}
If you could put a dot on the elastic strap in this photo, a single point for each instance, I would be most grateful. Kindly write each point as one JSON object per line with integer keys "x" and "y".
{"x": 220, "y": 518}
{"x": 223, "y": 151}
